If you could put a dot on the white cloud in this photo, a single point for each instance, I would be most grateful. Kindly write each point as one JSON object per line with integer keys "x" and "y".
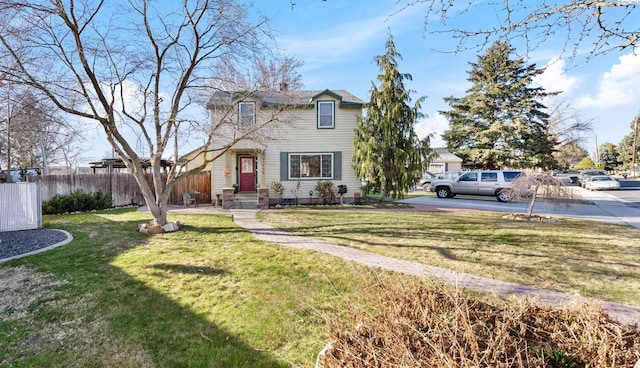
{"x": 555, "y": 78}
{"x": 435, "y": 125}
{"x": 617, "y": 87}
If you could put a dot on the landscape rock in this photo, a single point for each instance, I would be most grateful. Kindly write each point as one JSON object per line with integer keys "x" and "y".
{"x": 155, "y": 229}
{"x": 143, "y": 228}
{"x": 148, "y": 228}
{"x": 170, "y": 227}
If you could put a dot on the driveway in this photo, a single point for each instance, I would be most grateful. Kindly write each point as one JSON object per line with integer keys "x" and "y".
{"x": 605, "y": 207}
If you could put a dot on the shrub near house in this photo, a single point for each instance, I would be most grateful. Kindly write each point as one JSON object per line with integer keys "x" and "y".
{"x": 78, "y": 201}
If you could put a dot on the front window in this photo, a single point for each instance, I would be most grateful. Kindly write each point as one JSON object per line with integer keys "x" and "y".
{"x": 325, "y": 114}
{"x": 246, "y": 113}
{"x": 311, "y": 166}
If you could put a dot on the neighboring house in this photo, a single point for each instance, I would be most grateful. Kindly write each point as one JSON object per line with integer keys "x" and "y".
{"x": 193, "y": 159}
{"x": 311, "y": 141}
{"x": 446, "y": 161}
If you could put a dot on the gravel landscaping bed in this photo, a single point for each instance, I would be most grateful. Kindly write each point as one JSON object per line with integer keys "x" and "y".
{"x": 15, "y": 243}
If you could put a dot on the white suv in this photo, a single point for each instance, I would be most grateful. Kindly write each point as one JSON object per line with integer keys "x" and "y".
{"x": 483, "y": 182}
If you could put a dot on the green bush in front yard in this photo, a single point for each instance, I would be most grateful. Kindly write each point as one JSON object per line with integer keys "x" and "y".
{"x": 77, "y": 201}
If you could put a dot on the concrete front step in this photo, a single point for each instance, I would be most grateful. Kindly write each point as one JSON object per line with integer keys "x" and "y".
{"x": 245, "y": 201}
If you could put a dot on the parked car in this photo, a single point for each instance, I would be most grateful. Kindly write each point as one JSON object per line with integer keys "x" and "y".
{"x": 426, "y": 180}
{"x": 602, "y": 182}
{"x": 484, "y": 182}
{"x": 585, "y": 174}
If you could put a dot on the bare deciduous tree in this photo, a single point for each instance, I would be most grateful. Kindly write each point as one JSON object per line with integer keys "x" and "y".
{"x": 137, "y": 68}
{"x": 540, "y": 185}
{"x": 567, "y": 125}
{"x": 263, "y": 74}
{"x": 602, "y": 26}
{"x": 31, "y": 129}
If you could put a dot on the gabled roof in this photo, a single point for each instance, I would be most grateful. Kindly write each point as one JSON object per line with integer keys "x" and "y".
{"x": 445, "y": 156}
{"x": 293, "y": 99}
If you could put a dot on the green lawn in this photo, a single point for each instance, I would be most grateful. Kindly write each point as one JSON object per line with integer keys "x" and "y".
{"x": 211, "y": 295}
{"x": 583, "y": 257}
{"x": 208, "y": 296}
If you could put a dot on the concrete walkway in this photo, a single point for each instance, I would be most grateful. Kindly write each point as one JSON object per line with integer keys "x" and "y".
{"x": 247, "y": 219}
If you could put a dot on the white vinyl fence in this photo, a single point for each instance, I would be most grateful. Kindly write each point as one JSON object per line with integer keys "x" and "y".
{"x": 20, "y": 206}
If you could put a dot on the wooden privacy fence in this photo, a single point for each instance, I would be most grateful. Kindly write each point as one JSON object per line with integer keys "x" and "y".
{"x": 123, "y": 187}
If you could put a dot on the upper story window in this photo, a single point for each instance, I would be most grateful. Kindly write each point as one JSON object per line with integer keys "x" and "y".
{"x": 326, "y": 118}
{"x": 246, "y": 113}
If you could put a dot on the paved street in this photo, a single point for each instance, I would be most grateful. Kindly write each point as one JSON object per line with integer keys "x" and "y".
{"x": 629, "y": 192}
{"x": 607, "y": 206}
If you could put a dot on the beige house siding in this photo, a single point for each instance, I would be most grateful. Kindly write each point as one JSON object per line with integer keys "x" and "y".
{"x": 446, "y": 161}
{"x": 194, "y": 159}
{"x": 296, "y": 133}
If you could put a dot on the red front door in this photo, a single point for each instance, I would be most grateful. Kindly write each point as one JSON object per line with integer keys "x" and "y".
{"x": 247, "y": 174}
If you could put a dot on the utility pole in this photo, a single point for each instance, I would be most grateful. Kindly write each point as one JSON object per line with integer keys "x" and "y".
{"x": 634, "y": 152}
{"x": 10, "y": 178}
{"x": 597, "y": 154}
{"x": 45, "y": 165}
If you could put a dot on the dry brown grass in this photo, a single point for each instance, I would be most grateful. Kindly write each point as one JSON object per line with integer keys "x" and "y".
{"x": 21, "y": 286}
{"x": 424, "y": 324}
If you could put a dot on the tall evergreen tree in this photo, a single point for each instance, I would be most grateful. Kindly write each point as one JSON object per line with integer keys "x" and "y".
{"x": 501, "y": 122}
{"x": 388, "y": 153}
{"x": 608, "y": 156}
{"x": 627, "y": 145}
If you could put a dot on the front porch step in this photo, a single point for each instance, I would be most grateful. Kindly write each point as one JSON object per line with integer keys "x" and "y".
{"x": 245, "y": 201}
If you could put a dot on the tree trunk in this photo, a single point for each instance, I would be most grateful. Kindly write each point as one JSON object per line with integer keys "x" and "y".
{"x": 385, "y": 195}
{"x": 159, "y": 213}
{"x": 155, "y": 194}
{"x": 533, "y": 201}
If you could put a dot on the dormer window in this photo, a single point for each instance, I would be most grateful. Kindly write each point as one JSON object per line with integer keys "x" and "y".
{"x": 326, "y": 117}
{"x": 246, "y": 113}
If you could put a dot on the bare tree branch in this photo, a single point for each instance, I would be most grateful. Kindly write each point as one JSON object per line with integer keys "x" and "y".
{"x": 602, "y": 26}
{"x": 138, "y": 78}
{"x": 536, "y": 185}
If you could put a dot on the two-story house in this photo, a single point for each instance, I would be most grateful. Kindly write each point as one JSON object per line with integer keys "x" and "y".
{"x": 310, "y": 139}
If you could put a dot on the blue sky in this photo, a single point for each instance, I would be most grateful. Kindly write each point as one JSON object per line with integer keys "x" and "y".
{"x": 338, "y": 39}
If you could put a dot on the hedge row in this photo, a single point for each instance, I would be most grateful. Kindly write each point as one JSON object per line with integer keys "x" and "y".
{"x": 77, "y": 201}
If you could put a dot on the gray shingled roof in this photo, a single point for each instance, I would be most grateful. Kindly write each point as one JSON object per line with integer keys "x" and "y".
{"x": 300, "y": 99}
{"x": 445, "y": 156}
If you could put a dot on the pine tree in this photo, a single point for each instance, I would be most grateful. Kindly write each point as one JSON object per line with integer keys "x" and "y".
{"x": 387, "y": 151}
{"x": 500, "y": 122}
{"x": 627, "y": 145}
{"x": 608, "y": 156}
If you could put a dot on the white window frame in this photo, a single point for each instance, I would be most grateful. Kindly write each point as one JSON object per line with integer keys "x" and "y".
{"x": 302, "y": 170}
{"x": 332, "y": 105}
{"x": 244, "y": 118}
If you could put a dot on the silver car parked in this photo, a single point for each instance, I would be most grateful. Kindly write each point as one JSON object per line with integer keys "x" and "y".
{"x": 483, "y": 182}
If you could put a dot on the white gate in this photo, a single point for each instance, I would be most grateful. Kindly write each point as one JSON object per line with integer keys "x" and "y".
{"x": 20, "y": 206}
